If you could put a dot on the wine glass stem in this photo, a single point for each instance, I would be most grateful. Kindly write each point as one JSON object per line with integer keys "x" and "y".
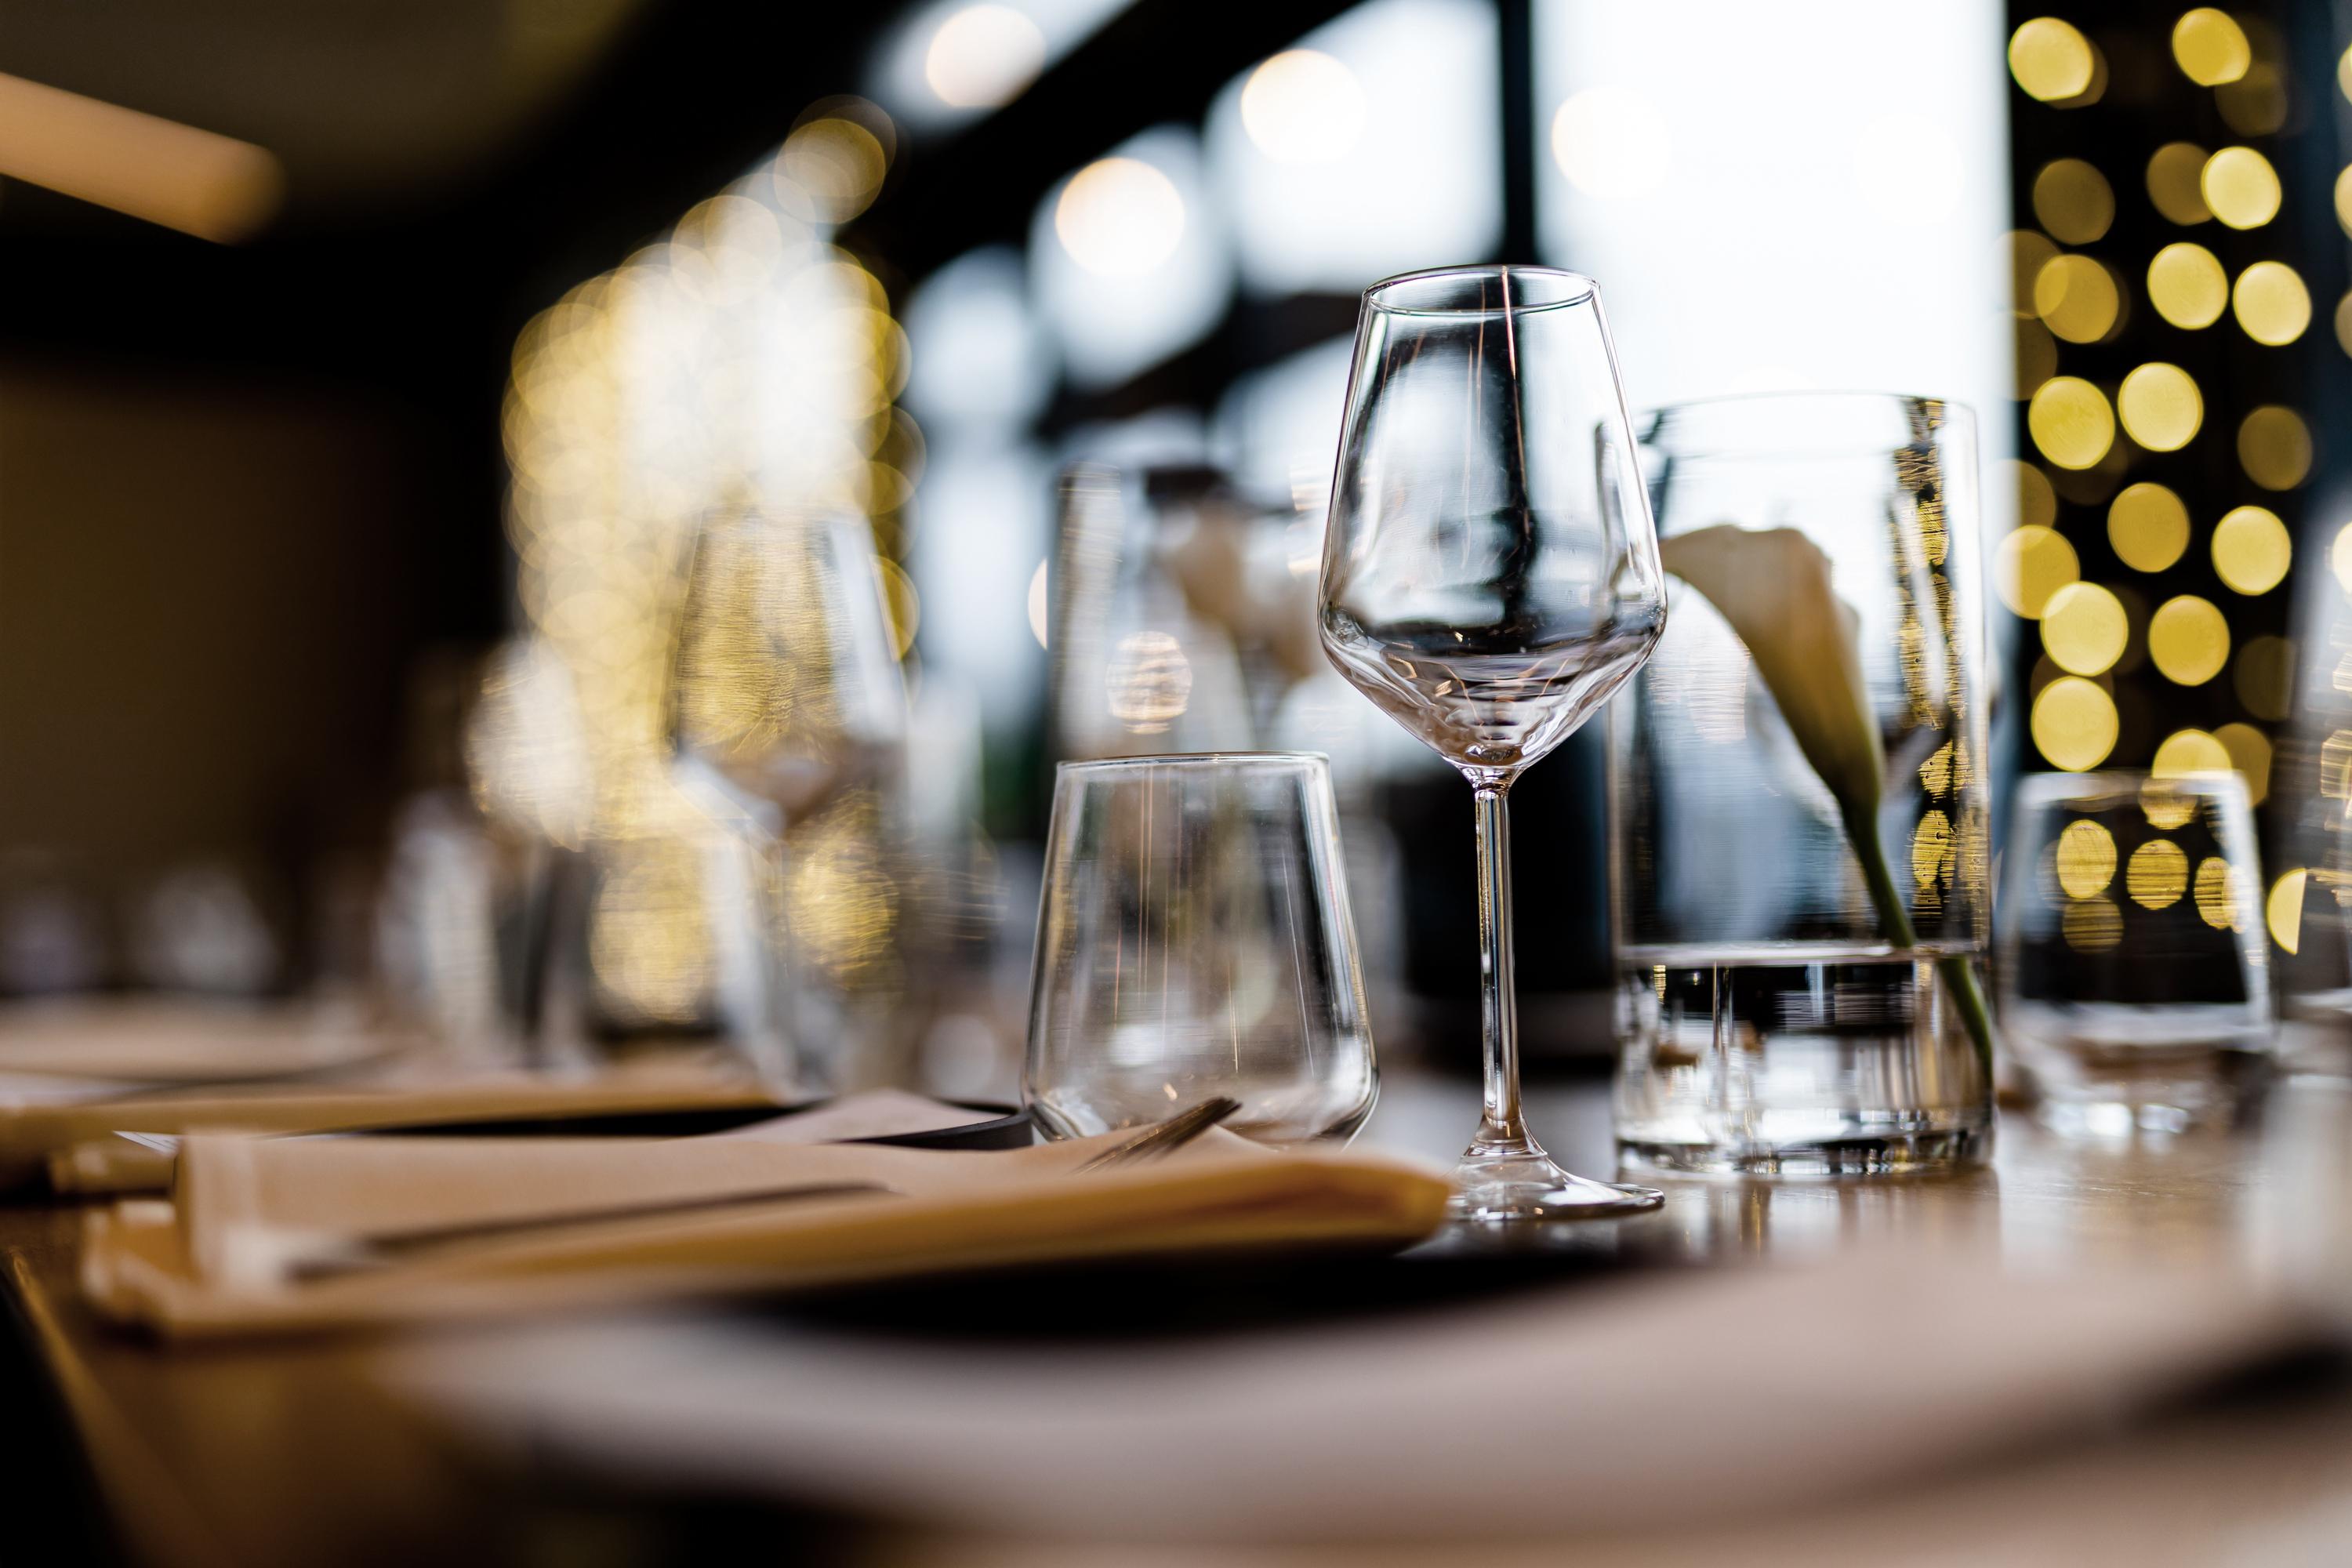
{"x": 1503, "y": 1128}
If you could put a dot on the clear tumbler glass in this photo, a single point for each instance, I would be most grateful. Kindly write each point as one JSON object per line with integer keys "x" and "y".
{"x": 1194, "y": 941}
{"x": 1798, "y": 796}
{"x": 2134, "y": 975}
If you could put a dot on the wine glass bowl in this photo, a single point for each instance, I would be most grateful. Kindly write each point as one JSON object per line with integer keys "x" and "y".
{"x": 1490, "y": 577}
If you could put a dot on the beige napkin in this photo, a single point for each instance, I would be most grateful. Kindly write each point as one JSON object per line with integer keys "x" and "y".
{"x": 213, "y": 1261}
{"x": 76, "y": 1147}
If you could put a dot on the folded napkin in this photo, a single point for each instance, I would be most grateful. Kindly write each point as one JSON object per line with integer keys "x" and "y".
{"x": 238, "y": 1248}
{"x": 75, "y": 1076}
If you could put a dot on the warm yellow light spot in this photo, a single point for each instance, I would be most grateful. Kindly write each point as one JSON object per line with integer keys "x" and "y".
{"x": 2210, "y": 46}
{"x": 2344, "y": 74}
{"x": 2025, "y": 252}
{"x": 1611, "y": 142}
{"x": 2071, "y": 422}
{"x": 2166, "y": 804}
{"x": 2073, "y": 724}
{"x": 2255, "y": 104}
{"x": 2344, "y": 198}
{"x": 1303, "y": 107}
{"x": 2339, "y": 557}
{"x": 2189, "y": 639}
{"x": 2033, "y": 564}
{"x": 2343, "y": 323}
{"x": 2086, "y": 859}
{"x": 2271, "y": 303}
{"x": 2084, "y": 628}
{"x": 2160, "y": 407}
{"x": 2284, "y": 911}
{"x": 2077, "y": 299}
{"x": 1119, "y": 217}
{"x": 2264, "y": 677}
{"x": 2092, "y": 925}
{"x": 982, "y": 56}
{"x": 2037, "y": 503}
{"x": 2249, "y": 754}
{"x": 1040, "y": 605}
{"x": 2252, "y": 549}
{"x": 2157, "y": 875}
{"x": 2051, "y": 60}
{"x": 2186, "y": 285}
{"x": 2073, "y": 201}
{"x": 2217, "y": 899}
{"x": 2239, "y": 187}
{"x": 2187, "y": 753}
{"x": 2275, "y": 447}
{"x": 1931, "y": 846}
{"x": 1936, "y": 772}
{"x": 2176, "y": 174}
{"x": 830, "y": 170}
{"x": 2147, "y": 526}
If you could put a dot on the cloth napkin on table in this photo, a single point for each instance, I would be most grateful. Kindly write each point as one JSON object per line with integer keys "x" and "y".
{"x": 213, "y": 1260}
{"x": 75, "y": 1077}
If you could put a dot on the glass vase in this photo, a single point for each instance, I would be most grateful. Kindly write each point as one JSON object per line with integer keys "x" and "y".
{"x": 1798, "y": 828}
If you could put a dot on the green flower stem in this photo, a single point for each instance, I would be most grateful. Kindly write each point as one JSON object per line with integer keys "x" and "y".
{"x": 1894, "y": 923}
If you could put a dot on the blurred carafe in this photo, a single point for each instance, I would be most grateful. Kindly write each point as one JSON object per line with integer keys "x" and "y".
{"x": 788, "y": 702}
{"x": 1182, "y": 620}
{"x": 1178, "y": 625}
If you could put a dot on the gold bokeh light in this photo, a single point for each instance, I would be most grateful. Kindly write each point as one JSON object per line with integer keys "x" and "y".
{"x": 2073, "y": 724}
{"x": 2183, "y": 754}
{"x": 2084, "y": 628}
{"x": 2189, "y": 639}
{"x": 2034, "y": 563}
{"x": 2339, "y": 557}
{"x": 2148, "y": 527}
{"x": 2252, "y": 550}
{"x": 2073, "y": 201}
{"x": 2239, "y": 187}
{"x": 2271, "y": 303}
{"x": 2284, "y": 910}
{"x": 2263, "y": 677}
{"x": 2052, "y": 61}
{"x": 2158, "y": 874}
{"x": 2188, "y": 286}
{"x": 2176, "y": 174}
{"x": 2160, "y": 407}
{"x": 1302, "y": 105}
{"x": 2275, "y": 447}
{"x": 2071, "y": 422}
{"x": 2211, "y": 47}
{"x": 2086, "y": 859}
{"x": 2077, "y": 299}
{"x": 2249, "y": 754}
{"x": 2217, "y": 893}
{"x": 2092, "y": 925}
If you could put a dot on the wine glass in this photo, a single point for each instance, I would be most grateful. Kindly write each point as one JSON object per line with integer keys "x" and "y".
{"x": 1490, "y": 576}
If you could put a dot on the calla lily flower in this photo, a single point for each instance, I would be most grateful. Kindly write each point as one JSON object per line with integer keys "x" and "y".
{"x": 1773, "y": 587}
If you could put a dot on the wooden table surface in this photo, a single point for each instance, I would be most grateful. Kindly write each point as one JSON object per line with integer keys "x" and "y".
{"x": 289, "y": 1454}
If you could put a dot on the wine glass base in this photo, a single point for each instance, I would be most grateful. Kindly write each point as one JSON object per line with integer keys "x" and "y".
{"x": 1493, "y": 1188}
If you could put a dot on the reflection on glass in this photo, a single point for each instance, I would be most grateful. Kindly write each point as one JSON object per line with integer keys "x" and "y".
{"x": 1194, "y": 940}
{"x": 2134, "y": 969}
